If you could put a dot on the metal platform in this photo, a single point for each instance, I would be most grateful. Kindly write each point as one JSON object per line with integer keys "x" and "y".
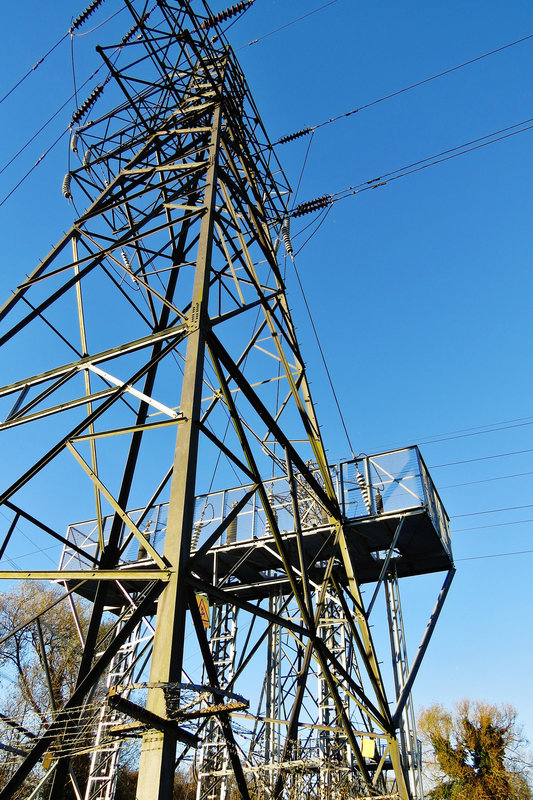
{"x": 388, "y": 500}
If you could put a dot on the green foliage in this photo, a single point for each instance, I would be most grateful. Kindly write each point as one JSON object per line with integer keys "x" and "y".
{"x": 475, "y": 753}
{"x": 51, "y": 644}
{"x": 28, "y": 704}
{"x": 22, "y": 654}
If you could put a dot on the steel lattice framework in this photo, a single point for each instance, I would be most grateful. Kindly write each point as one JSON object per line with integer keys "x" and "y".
{"x": 163, "y": 311}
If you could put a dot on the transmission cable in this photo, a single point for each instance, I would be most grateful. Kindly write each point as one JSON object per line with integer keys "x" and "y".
{"x": 312, "y": 128}
{"x": 288, "y": 245}
{"x": 409, "y": 169}
{"x": 494, "y": 555}
{"x": 78, "y": 22}
{"x": 49, "y": 120}
{"x": 435, "y": 438}
{"x": 490, "y": 511}
{"x": 438, "y": 158}
{"x": 485, "y": 480}
{"x": 100, "y": 24}
{"x": 493, "y": 525}
{"x": 320, "y": 221}
{"x": 481, "y": 458}
{"x": 323, "y": 358}
{"x": 303, "y": 166}
{"x": 287, "y": 25}
{"x": 63, "y": 133}
{"x": 32, "y": 69}
{"x": 438, "y": 438}
{"x": 28, "y": 173}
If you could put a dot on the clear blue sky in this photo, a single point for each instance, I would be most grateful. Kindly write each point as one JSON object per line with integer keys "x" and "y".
{"x": 420, "y": 289}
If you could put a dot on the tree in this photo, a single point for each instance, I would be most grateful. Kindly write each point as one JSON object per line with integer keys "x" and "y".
{"x": 476, "y": 752}
{"x": 40, "y": 660}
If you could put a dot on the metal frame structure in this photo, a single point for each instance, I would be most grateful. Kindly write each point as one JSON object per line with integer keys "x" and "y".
{"x": 163, "y": 308}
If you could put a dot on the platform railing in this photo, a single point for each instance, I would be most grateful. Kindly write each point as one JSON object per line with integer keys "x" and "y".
{"x": 389, "y": 483}
{"x": 370, "y": 485}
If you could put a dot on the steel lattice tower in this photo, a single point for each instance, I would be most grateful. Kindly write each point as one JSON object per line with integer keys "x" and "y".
{"x": 165, "y": 359}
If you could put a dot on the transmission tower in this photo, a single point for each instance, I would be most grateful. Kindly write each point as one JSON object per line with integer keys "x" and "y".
{"x": 228, "y": 627}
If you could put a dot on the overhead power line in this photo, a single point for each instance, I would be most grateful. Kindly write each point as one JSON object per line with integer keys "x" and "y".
{"x": 32, "y": 69}
{"x": 35, "y": 165}
{"x": 48, "y": 121}
{"x": 88, "y": 103}
{"x": 491, "y": 511}
{"x": 476, "y": 433}
{"x": 287, "y": 25}
{"x": 436, "y": 438}
{"x": 304, "y": 131}
{"x": 481, "y": 458}
{"x": 493, "y": 525}
{"x": 485, "y": 480}
{"x": 324, "y": 361}
{"x": 415, "y": 166}
{"x": 78, "y": 22}
{"x": 494, "y": 555}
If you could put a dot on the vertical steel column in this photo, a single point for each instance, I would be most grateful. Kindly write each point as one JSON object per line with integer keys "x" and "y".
{"x": 156, "y": 769}
{"x": 400, "y": 668}
{"x": 213, "y": 769}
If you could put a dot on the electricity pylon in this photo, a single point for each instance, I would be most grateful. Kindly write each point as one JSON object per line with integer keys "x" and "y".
{"x": 167, "y": 296}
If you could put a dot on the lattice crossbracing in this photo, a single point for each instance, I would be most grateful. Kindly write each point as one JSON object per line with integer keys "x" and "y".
{"x": 213, "y": 762}
{"x": 104, "y": 765}
{"x": 164, "y": 367}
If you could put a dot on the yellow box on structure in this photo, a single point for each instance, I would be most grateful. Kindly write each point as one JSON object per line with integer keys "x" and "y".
{"x": 368, "y": 748}
{"x": 203, "y": 608}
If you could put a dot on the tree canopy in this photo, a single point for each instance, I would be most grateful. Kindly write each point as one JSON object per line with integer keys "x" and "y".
{"x": 476, "y": 752}
{"x": 39, "y": 657}
{"x": 41, "y": 642}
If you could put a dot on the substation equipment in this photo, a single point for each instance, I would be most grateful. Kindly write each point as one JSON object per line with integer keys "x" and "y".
{"x": 229, "y": 633}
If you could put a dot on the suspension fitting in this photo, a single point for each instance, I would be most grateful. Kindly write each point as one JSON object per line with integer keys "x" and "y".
{"x": 312, "y": 205}
{"x": 91, "y": 8}
{"x": 222, "y": 16}
{"x": 131, "y": 33}
{"x": 87, "y": 104}
{"x": 291, "y": 136}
